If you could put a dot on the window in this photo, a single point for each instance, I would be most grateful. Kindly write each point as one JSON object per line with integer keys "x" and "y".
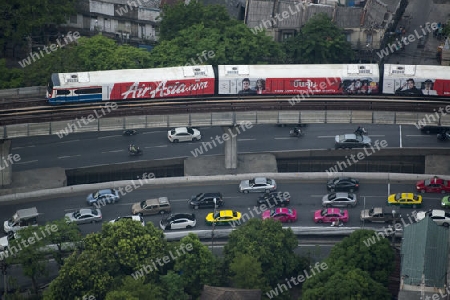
{"x": 62, "y": 92}
{"x": 348, "y": 36}
{"x": 369, "y": 38}
{"x": 89, "y": 91}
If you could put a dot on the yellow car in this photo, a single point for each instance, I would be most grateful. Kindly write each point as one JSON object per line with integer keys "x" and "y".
{"x": 405, "y": 200}
{"x": 224, "y": 217}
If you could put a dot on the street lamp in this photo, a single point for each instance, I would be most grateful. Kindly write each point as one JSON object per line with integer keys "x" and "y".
{"x": 213, "y": 226}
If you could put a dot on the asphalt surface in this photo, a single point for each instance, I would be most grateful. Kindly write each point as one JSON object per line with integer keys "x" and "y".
{"x": 98, "y": 148}
{"x": 306, "y": 198}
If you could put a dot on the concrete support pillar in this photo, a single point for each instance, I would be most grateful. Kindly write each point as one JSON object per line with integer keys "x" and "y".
{"x": 230, "y": 138}
{"x": 6, "y": 162}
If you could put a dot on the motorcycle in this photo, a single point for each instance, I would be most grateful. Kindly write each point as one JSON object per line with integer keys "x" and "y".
{"x": 443, "y": 136}
{"x": 297, "y": 133}
{"x": 361, "y": 131}
{"x": 134, "y": 152}
{"x": 129, "y": 132}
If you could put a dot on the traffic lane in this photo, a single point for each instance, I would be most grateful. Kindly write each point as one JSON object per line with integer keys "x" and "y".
{"x": 306, "y": 198}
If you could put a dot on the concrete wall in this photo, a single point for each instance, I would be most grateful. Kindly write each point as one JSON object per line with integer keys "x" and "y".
{"x": 5, "y": 163}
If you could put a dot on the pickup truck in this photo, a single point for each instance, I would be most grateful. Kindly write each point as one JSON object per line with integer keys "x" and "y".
{"x": 380, "y": 215}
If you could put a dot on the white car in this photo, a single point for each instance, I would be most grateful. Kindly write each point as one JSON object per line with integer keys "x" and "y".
{"x": 183, "y": 134}
{"x": 178, "y": 221}
{"x": 134, "y": 218}
{"x": 441, "y": 217}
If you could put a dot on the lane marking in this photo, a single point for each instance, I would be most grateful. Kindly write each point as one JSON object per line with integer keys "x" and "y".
{"x": 421, "y": 135}
{"x": 68, "y": 141}
{"x": 107, "y": 137}
{"x": 283, "y": 138}
{"x": 26, "y": 162}
{"x": 21, "y": 147}
{"x": 153, "y": 132}
{"x": 245, "y": 140}
{"x": 113, "y": 151}
{"x": 61, "y": 157}
{"x": 162, "y": 146}
{"x": 326, "y": 136}
{"x": 401, "y": 146}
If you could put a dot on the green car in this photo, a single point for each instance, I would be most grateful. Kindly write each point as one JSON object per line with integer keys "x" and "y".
{"x": 445, "y": 202}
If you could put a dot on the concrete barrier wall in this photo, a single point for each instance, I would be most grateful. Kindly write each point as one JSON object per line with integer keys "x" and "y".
{"x": 27, "y": 91}
{"x": 220, "y": 119}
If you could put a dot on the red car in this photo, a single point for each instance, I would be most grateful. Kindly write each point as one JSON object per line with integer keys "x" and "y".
{"x": 284, "y": 215}
{"x": 433, "y": 185}
{"x": 328, "y": 215}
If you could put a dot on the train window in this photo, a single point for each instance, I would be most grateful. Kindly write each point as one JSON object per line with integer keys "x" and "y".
{"x": 62, "y": 92}
{"x": 89, "y": 91}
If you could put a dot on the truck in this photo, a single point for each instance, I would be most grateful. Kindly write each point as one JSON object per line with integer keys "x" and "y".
{"x": 380, "y": 215}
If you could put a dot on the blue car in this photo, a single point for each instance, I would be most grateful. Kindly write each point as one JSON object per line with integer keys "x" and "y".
{"x": 103, "y": 197}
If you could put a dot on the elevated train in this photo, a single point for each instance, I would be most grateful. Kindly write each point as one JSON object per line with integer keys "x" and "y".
{"x": 206, "y": 80}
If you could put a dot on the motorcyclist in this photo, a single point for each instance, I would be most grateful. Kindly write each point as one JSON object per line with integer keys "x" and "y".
{"x": 133, "y": 148}
{"x": 296, "y": 131}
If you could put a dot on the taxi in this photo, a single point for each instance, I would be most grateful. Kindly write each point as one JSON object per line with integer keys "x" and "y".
{"x": 224, "y": 217}
{"x": 405, "y": 200}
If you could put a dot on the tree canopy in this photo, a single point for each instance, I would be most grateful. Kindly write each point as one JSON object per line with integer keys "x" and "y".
{"x": 320, "y": 41}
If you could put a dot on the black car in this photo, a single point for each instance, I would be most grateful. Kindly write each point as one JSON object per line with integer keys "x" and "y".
{"x": 206, "y": 200}
{"x": 434, "y": 129}
{"x": 343, "y": 184}
{"x": 275, "y": 199}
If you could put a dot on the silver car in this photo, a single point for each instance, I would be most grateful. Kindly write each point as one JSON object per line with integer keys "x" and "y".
{"x": 178, "y": 221}
{"x": 339, "y": 200}
{"x": 351, "y": 140}
{"x": 85, "y": 215}
{"x": 183, "y": 134}
{"x": 258, "y": 185}
{"x": 103, "y": 197}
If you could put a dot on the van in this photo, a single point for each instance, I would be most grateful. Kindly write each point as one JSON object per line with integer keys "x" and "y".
{"x": 21, "y": 219}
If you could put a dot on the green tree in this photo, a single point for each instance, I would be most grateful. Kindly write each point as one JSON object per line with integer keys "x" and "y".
{"x": 247, "y": 272}
{"x": 136, "y": 289}
{"x": 269, "y": 244}
{"x": 319, "y": 42}
{"x": 27, "y": 249}
{"x": 176, "y": 18}
{"x": 173, "y": 287}
{"x": 67, "y": 235}
{"x": 10, "y": 78}
{"x": 121, "y": 249}
{"x": 352, "y": 252}
{"x": 196, "y": 266}
{"x": 21, "y": 18}
{"x": 350, "y": 284}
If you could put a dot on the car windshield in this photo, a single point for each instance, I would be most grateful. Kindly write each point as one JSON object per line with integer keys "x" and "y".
{"x": 76, "y": 215}
{"x": 351, "y": 196}
{"x": 143, "y": 204}
{"x": 269, "y": 181}
{"x": 172, "y": 132}
{"x": 199, "y": 196}
{"x": 190, "y": 130}
{"x": 398, "y": 196}
{"x": 96, "y": 194}
{"x": 416, "y": 197}
{"x": 94, "y": 212}
{"x": 427, "y": 182}
{"x": 331, "y": 196}
{"x": 251, "y": 181}
{"x": 324, "y": 212}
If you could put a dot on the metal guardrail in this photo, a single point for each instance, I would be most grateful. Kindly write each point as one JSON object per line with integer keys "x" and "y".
{"x": 27, "y": 91}
{"x": 64, "y": 128}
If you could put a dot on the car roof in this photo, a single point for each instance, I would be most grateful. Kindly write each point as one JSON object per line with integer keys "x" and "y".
{"x": 260, "y": 180}
{"x": 85, "y": 211}
{"x": 226, "y": 213}
{"x": 105, "y": 191}
{"x": 160, "y": 200}
{"x": 438, "y": 213}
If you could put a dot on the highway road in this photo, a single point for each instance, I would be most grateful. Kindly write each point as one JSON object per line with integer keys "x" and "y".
{"x": 97, "y": 148}
{"x": 305, "y": 198}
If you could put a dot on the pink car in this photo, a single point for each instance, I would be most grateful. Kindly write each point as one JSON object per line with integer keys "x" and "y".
{"x": 284, "y": 215}
{"x": 328, "y": 215}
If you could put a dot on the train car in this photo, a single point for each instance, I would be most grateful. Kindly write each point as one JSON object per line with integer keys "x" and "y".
{"x": 299, "y": 79}
{"x": 416, "y": 80}
{"x": 131, "y": 84}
